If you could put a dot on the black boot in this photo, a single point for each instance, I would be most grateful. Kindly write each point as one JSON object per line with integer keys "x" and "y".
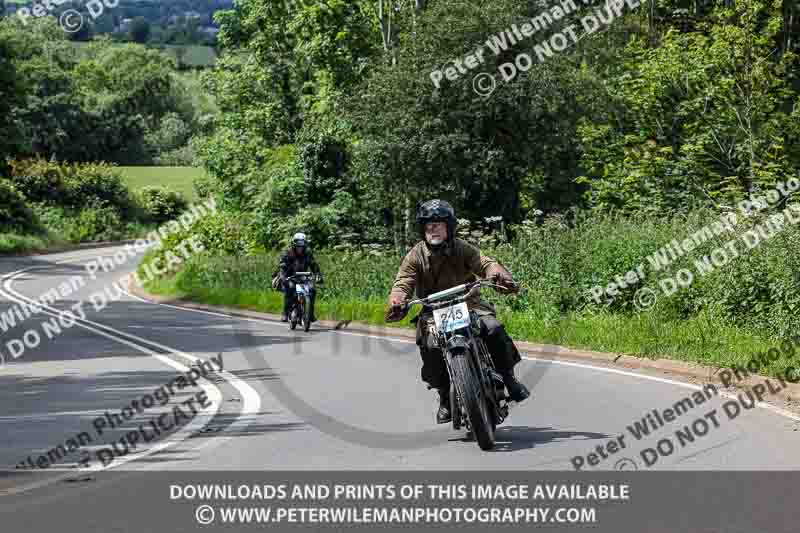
{"x": 443, "y": 415}
{"x": 516, "y": 390}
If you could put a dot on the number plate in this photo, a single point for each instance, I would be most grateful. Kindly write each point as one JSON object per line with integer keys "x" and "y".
{"x": 300, "y": 288}
{"x": 451, "y": 318}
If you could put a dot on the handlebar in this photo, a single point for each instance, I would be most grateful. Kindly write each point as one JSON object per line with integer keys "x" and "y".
{"x": 297, "y": 276}
{"x": 465, "y": 289}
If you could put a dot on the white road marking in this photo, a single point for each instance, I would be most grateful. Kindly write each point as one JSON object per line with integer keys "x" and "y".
{"x": 200, "y": 421}
{"x": 251, "y": 399}
{"x": 763, "y": 405}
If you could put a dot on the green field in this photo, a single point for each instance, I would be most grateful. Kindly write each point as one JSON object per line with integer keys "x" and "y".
{"x": 194, "y": 56}
{"x": 179, "y": 179}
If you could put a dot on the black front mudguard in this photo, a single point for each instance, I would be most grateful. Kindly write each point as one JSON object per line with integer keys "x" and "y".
{"x": 456, "y": 344}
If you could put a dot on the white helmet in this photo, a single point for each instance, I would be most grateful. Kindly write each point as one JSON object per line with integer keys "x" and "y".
{"x": 299, "y": 239}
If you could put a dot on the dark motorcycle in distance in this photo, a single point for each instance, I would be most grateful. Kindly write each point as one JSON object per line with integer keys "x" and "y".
{"x": 301, "y": 310}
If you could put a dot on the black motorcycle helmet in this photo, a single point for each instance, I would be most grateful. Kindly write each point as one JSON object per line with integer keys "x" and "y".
{"x": 436, "y": 211}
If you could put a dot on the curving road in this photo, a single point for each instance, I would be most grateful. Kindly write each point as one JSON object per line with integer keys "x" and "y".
{"x": 324, "y": 400}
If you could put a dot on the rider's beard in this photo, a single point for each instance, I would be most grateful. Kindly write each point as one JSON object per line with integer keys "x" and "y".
{"x": 435, "y": 241}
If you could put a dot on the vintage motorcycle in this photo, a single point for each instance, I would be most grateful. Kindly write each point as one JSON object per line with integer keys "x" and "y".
{"x": 301, "y": 310}
{"x": 478, "y": 399}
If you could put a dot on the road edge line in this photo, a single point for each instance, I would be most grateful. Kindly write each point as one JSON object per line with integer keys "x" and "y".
{"x": 543, "y": 352}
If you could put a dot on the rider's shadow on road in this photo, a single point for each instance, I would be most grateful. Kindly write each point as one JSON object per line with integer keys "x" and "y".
{"x": 516, "y": 438}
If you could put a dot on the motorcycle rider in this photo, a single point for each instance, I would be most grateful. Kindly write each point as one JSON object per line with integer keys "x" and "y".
{"x": 441, "y": 261}
{"x": 297, "y": 258}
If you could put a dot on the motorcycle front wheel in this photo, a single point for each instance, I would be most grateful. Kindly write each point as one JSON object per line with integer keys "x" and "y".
{"x": 474, "y": 399}
{"x": 293, "y": 320}
{"x": 306, "y": 314}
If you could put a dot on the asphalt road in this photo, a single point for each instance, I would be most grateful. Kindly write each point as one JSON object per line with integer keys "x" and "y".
{"x": 323, "y": 400}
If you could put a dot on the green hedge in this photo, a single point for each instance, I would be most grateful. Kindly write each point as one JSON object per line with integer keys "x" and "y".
{"x": 558, "y": 263}
{"x": 161, "y": 204}
{"x": 356, "y": 287}
{"x": 14, "y": 212}
{"x": 72, "y": 186}
{"x": 81, "y": 202}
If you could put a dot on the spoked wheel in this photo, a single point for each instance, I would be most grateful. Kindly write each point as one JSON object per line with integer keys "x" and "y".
{"x": 306, "y": 314}
{"x": 473, "y": 395}
{"x": 293, "y": 320}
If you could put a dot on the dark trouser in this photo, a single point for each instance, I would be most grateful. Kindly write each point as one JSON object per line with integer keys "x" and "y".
{"x": 434, "y": 369}
{"x": 290, "y": 296}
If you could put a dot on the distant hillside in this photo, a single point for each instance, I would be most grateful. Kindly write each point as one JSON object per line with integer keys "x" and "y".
{"x": 154, "y": 22}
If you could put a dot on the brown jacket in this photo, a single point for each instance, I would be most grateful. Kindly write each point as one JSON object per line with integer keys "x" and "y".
{"x": 424, "y": 273}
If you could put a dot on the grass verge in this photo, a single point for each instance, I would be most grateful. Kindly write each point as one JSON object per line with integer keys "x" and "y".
{"x": 182, "y": 286}
{"x": 13, "y": 243}
{"x": 702, "y": 338}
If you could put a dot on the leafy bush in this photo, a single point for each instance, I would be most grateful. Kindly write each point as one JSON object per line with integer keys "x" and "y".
{"x": 56, "y": 218}
{"x": 77, "y": 203}
{"x": 72, "y": 185}
{"x": 323, "y": 161}
{"x": 14, "y": 213}
{"x": 560, "y": 263}
{"x": 172, "y": 132}
{"x": 204, "y": 186}
{"x": 14, "y": 242}
{"x": 161, "y": 204}
{"x": 221, "y": 234}
{"x": 39, "y": 180}
{"x": 179, "y": 157}
{"x": 304, "y": 193}
{"x": 227, "y": 233}
{"x": 98, "y": 182}
{"x": 237, "y": 184}
{"x": 95, "y": 224}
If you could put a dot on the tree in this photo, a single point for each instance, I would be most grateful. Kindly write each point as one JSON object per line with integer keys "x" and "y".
{"x": 704, "y": 117}
{"x": 283, "y": 66}
{"x": 12, "y": 94}
{"x": 109, "y": 99}
{"x": 478, "y": 152}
